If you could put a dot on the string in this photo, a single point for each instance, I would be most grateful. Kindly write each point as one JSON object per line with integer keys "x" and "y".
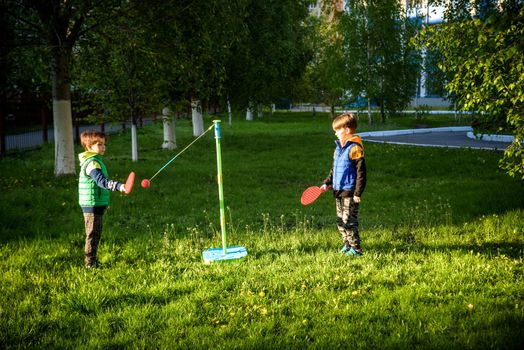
{"x": 179, "y": 153}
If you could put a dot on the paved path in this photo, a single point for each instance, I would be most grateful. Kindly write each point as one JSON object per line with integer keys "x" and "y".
{"x": 436, "y": 137}
{"x": 452, "y": 137}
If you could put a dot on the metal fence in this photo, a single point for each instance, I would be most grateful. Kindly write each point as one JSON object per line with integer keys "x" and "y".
{"x": 32, "y": 139}
{"x": 26, "y": 122}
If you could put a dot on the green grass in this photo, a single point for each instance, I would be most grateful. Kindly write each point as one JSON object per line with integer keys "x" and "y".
{"x": 441, "y": 229}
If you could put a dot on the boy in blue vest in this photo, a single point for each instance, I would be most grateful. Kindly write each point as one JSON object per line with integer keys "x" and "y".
{"x": 348, "y": 180}
{"x": 93, "y": 190}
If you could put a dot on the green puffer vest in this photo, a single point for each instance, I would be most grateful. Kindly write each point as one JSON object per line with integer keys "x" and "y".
{"x": 89, "y": 194}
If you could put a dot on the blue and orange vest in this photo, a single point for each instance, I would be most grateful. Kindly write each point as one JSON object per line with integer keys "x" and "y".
{"x": 344, "y": 170}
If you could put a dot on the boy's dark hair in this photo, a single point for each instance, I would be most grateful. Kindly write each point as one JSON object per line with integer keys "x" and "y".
{"x": 345, "y": 120}
{"x": 90, "y": 137}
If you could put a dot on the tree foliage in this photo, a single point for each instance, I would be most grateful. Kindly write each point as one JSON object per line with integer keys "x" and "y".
{"x": 271, "y": 54}
{"x": 484, "y": 56}
{"x": 380, "y": 63}
{"x": 326, "y": 72}
{"x": 23, "y": 63}
{"x": 56, "y": 26}
{"x": 194, "y": 40}
{"x": 115, "y": 68}
{"x": 134, "y": 56}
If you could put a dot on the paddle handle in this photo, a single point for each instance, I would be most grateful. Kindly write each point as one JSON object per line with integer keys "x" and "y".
{"x": 324, "y": 189}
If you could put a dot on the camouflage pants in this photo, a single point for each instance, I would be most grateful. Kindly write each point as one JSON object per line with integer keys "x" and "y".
{"x": 93, "y": 229}
{"x": 347, "y": 221}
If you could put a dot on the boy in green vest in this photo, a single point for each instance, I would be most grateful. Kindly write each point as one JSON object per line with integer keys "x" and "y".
{"x": 93, "y": 190}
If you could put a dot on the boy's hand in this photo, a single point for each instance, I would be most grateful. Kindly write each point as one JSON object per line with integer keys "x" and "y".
{"x": 123, "y": 188}
{"x": 325, "y": 187}
{"x": 356, "y": 199}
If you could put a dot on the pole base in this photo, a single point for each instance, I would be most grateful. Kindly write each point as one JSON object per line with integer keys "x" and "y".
{"x": 217, "y": 254}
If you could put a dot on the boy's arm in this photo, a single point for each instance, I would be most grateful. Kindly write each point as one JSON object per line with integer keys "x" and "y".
{"x": 360, "y": 184}
{"x": 104, "y": 182}
{"x": 96, "y": 174}
{"x": 357, "y": 156}
{"x": 328, "y": 181}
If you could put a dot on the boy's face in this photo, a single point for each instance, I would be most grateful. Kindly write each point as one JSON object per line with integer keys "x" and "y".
{"x": 98, "y": 148}
{"x": 343, "y": 134}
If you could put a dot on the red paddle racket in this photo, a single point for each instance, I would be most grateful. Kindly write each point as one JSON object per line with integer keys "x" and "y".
{"x": 311, "y": 194}
{"x": 129, "y": 182}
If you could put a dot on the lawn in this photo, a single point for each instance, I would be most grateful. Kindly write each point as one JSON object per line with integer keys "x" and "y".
{"x": 442, "y": 230}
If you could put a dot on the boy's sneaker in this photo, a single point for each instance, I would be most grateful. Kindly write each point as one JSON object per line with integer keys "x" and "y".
{"x": 93, "y": 265}
{"x": 345, "y": 249}
{"x": 353, "y": 252}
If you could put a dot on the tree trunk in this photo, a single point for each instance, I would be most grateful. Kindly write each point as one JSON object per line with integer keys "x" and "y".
{"x": 169, "y": 127}
{"x": 230, "y": 115}
{"x": 2, "y": 127}
{"x": 423, "y": 71}
{"x": 6, "y": 40}
{"x": 196, "y": 117}
{"x": 260, "y": 108}
{"x": 370, "y": 116}
{"x": 134, "y": 143}
{"x": 44, "y": 118}
{"x": 368, "y": 70}
{"x": 423, "y": 74}
{"x": 249, "y": 112}
{"x": 382, "y": 101}
{"x": 134, "y": 123}
{"x": 62, "y": 118}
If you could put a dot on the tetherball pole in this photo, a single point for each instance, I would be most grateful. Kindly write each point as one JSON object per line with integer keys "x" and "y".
{"x": 220, "y": 189}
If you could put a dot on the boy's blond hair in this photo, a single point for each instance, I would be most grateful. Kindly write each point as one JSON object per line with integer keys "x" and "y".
{"x": 345, "y": 120}
{"x": 91, "y": 137}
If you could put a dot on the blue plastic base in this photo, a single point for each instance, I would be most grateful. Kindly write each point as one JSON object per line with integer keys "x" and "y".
{"x": 217, "y": 254}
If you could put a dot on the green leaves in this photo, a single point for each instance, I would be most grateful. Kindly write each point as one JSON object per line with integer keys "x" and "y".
{"x": 271, "y": 52}
{"x": 484, "y": 62}
{"x": 379, "y": 62}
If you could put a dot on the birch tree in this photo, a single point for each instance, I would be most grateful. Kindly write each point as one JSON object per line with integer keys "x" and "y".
{"x": 196, "y": 117}
{"x": 327, "y": 72}
{"x": 168, "y": 121}
{"x": 380, "y": 63}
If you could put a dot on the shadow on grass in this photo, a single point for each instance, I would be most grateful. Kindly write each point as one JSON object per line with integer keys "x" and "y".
{"x": 508, "y": 249}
